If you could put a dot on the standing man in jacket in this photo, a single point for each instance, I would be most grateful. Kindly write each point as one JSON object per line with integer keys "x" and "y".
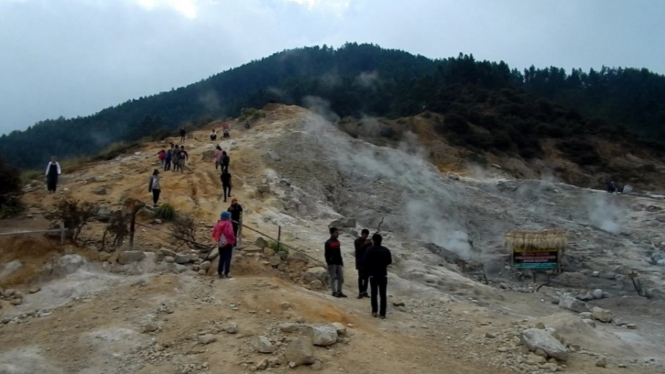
{"x": 333, "y": 254}
{"x": 361, "y": 244}
{"x": 52, "y": 172}
{"x": 377, "y": 259}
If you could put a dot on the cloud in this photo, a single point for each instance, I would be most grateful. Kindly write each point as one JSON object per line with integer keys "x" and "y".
{"x": 337, "y": 7}
{"x": 187, "y": 8}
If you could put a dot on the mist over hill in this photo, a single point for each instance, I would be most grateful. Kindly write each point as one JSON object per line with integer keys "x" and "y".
{"x": 485, "y": 105}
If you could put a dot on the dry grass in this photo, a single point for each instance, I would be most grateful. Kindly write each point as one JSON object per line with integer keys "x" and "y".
{"x": 548, "y": 239}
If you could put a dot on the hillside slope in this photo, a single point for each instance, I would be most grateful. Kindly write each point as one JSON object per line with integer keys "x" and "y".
{"x": 446, "y": 236}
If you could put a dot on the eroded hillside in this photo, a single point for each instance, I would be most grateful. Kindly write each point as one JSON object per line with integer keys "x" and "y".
{"x": 164, "y": 311}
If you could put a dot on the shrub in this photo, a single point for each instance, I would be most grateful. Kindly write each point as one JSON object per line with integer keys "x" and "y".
{"x": 75, "y": 215}
{"x": 166, "y": 212}
{"x": 184, "y": 232}
{"x": 277, "y": 247}
{"x": 10, "y": 190}
{"x": 457, "y": 124}
{"x": 580, "y": 152}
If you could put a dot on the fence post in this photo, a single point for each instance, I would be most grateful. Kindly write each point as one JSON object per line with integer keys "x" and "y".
{"x": 279, "y": 236}
{"x": 62, "y": 233}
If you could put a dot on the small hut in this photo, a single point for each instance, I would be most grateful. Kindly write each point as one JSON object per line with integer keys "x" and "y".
{"x": 536, "y": 250}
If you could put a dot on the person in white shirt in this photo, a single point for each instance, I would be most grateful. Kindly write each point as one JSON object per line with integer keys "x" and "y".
{"x": 154, "y": 187}
{"x": 52, "y": 172}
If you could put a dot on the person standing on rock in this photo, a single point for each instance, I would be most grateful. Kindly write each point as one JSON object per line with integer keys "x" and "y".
{"x": 154, "y": 187}
{"x": 226, "y": 184}
{"x": 361, "y": 244}
{"x": 236, "y": 215}
{"x": 377, "y": 259}
{"x": 225, "y": 162}
{"x": 52, "y": 172}
{"x": 333, "y": 255}
{"x": 225, "y": 239}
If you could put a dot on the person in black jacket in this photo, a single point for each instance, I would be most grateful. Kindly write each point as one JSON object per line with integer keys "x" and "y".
{"x": 333, "y": 254}
{"x": 361, "y": 244}
{"x": 377, "y": 259}
{"x": 226, "y": 184}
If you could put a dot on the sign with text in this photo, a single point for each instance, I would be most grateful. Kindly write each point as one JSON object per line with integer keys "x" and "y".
{"x": 535, "y": 258}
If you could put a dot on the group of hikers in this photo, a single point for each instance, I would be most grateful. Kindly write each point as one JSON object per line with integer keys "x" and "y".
{"x": 175, "y": 157}
{"x": 372, "y": 260}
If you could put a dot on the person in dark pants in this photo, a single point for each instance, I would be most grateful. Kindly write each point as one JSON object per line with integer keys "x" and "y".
{"x": 361, "y": 244}
{"x": 183, "y": 135}
{"x": 236, "y": 216}
{"x": 225, "y": 239}
{"x": 52, "y": 172}
{"x": 154, "y": 187}
{"x": 226, "y": 184}
{"x": 169, "y": 157}
{"x": 377, "y": 259}
{"x": 333, "y": 254}
{"x": 225, "y": 161}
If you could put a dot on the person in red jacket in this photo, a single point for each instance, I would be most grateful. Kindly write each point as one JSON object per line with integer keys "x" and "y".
{"x": 225, "y": 239}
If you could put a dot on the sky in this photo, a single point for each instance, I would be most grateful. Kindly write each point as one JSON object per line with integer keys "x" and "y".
{"x": 75, "y": 57}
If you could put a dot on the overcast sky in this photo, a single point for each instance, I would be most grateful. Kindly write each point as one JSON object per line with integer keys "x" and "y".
{"x": 76, "y": 57}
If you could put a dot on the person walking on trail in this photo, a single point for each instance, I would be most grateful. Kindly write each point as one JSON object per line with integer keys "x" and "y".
{"x": 168, "y": 158}
{"x": 52, "y": 172}
{"x": 154, "y": 187}
{"x": 333, "y": 254}
{"x": 225, "y": 129}
{"x": 226, "y": 184}
{"x": 225, "y": 239}
{"x": 236, "y": 215}
{"x": 161, "y": 155}
{"x": 183, "y": 135}
{"x": 225, "y": 161}
{"x": 183, "y": 156}
{"x": 213, "y": 135}
{"x": 361, "y": 244}
{"x": 218, "y": 156}
{"x": 377, "y": 259}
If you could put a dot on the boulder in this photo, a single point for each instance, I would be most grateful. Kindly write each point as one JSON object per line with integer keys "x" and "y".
{"x": 230, "y": 328}
{"x": 598, "y": 294}
{"x": 300, "y": 352}
{"x": 180, "y": 268}
{"x": 602, "y": 362}
{"x": 260, "y": 242}
{"x": 273, "y": 155}
{"x": 263, "y": 188}
{"x": 298, "y": 256}
{"x": 263, "y": 345}
{"x": 268, "y": 252}
{"x": 570, "y": 303}
{"x": 289, "y": 327}
{"x": 343, "y": 223}
{"x": 321, "y": 335}
{"x": 536, "y": 339}
{"x": 341, "y": 329}
{"x": 207, "y": 339}
{"x": 586, "y": 315}
{"x": 213, "y": 254}
{"x": 167, "y": 252}
{"x": 182, "y": 258}
{"x": 205, "y": 265}
{"x": 316, "y": 273}
{"x": 316, "y": 285}
{"x": 169, "y": 259}
{"x": 275, "y": 260}
{"x": 602, "y": 315}
{"x": 100, "y": 191}
{"x": 128, "y": 257}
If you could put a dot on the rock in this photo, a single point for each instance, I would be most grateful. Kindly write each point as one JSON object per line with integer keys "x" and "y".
{"x": 586, "y": 315}
{"x": 213, "y": 254}
{"x": 202, "y": 272}
{"x": 316, "y": 273}
{"x": 263, "y": 364}
{"x": 269, "y": 252}
{"x": 540, "y": 325}
{"x": 252, "y": 249}
{"x": 598, "y": 294}
{"x": 300, "y": 352}
{"x": 275, "y": 260}
{"x": 167, "y": 252}
{"x": 104, "y": 256}
{"x": 533, "y": 359}
{"x": 273, "y": 155}
{"x": 602, "y": 362}
{"x": 551, "y": 367}
{"x": 398, "y": 303}
{"x": 169, "y": 259}
{"x": 590, "y": 322}
{"x": 260, "y": 242}
{"x": 99, "y": 191}
{"x": 631, "y": 326}
{"x": 317, "y": 366}
{"x": 207, "y": 339}
{"x": 263, "y": 345}
{"x": 543, "y": 340}
{"x": 149, "y": 326}
{"x": 658, "y": 258}
{"x": 603, "y": 315}
{"x": 205, "y": 265}
{"x": 321, "y": 335}
{"x": 230, "y": 328}
{"x": 343, "y": 223}
{"x": 489, "y": 335}
{"x": 570, "y": 303}
{"x": 316, "y": 285}
{"x": 17, "y": 301}
{"x": 159, "y": 257}
{"x": 263, "y": 188}
{"x": 180, "y": 268}
{"x": 341, "y": 329}
{"x": 289, "y": 327}
{"x": 128, "y": 257}
{"x": 182, "y": 259}
{"x": 541, "y": 353}
{"x": 34, "y": 289}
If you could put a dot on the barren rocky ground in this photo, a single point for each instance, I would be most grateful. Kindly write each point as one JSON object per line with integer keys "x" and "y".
{"x": 69, "y": 309}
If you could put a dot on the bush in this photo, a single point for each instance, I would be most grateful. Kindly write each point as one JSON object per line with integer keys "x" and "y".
{"x": 251, "y": 114}
{"x": 580, "y": 152}
{"x": 75, "y": 215}
{"x": 457, "y": 124}
{"x": 166, "y": 212}
{"x": 277, "y": 247}
{"x": 10, "y": 191}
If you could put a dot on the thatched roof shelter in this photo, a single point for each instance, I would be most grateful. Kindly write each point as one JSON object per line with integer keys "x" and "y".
{"x": 547, "y": 239}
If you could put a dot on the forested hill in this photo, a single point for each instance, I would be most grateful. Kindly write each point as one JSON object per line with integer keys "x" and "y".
{"x": 362, "y": 79}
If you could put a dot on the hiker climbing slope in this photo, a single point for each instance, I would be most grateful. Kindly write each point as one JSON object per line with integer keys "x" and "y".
{"x": 226, "y": 184}
{"x": 52, "y": 172}
{"x": 225, "y": 161}
{"x": 225, "y": 239}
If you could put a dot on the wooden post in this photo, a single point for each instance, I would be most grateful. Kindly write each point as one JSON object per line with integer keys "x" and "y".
{"x": 62, "y": 233}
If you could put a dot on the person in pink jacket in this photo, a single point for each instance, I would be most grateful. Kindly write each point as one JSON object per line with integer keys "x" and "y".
{"x": 225, "y": 239}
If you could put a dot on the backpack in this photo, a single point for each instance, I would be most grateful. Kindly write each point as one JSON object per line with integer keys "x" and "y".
{"x": 222, "y": 242}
